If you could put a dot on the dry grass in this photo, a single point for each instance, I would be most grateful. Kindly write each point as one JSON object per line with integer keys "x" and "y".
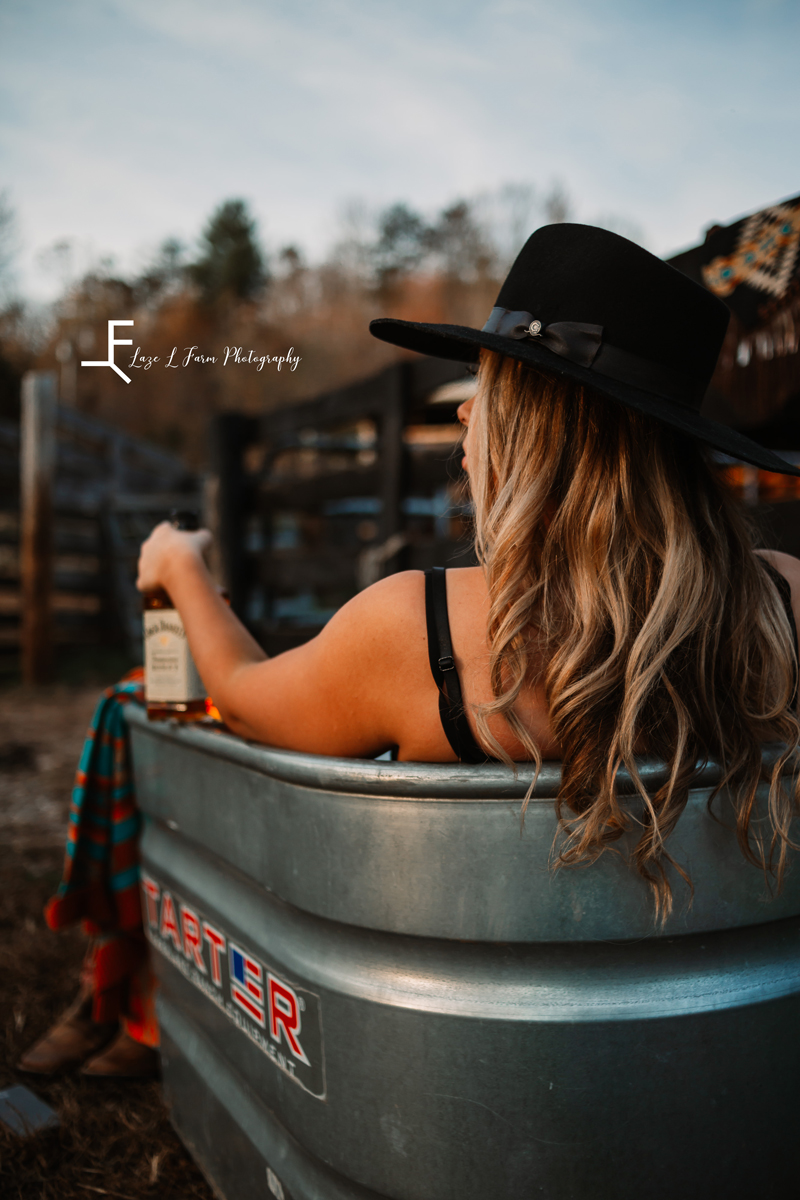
{"x": 41, "y": 734}
{"x": 115, "y": 1138}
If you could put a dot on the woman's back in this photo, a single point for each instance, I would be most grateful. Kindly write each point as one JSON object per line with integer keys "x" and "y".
{"x": 467, "y": 607}
{"x": 401, "y": 681}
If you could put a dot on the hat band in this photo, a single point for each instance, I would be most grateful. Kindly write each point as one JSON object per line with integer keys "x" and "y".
{"x": 583, "y": 345}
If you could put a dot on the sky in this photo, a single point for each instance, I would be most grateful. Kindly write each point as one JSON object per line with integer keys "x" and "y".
{"x": 123, "y": 122}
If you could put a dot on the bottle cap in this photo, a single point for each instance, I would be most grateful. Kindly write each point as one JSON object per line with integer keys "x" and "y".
{"x": 184, "y": 518}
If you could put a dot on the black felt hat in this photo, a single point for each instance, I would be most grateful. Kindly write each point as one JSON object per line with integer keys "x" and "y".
{"x": 589, "y": 305}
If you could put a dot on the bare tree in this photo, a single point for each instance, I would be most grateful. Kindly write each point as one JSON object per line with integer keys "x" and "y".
{"x": 557, "y": 205}
{"x": 165, "y": 274}
{"x": 8, "y": 245}
{"x": 402, "y": 241}
{"x": 621, "y": 225}
{"x": 461, "y": 246}
{"x": 508, "y": 216}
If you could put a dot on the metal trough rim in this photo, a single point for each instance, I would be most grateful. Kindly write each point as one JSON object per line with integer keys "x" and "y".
{"x": 411, "y": 781}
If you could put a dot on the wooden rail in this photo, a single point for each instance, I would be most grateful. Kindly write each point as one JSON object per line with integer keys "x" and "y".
{"x": 319, "y": 499}
{"x": 77, "y": 497}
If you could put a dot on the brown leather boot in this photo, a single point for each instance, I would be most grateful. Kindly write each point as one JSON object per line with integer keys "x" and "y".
{"x": 68, "y": 1043}
{"x": 124, "y": 1059}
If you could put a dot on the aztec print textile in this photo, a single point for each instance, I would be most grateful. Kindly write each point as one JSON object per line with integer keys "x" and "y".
{"x": 765, "y": 254}
{"x": 752, "y": 264}
{"x": 100, "y": 881}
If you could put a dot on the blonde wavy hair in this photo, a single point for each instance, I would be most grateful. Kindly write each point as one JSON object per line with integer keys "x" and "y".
{"x": 616, "y": 559}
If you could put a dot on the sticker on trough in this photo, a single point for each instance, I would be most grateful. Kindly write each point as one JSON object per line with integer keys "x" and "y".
{"x": 284, "y": 1021}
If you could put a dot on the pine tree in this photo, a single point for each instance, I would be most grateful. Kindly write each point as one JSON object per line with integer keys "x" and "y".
{"x": 232, "y": 262}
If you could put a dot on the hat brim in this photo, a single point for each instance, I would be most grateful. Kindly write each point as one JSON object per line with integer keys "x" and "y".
{"x": 461, "y": 343}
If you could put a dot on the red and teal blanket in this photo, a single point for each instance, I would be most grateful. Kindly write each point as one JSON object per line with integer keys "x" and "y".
{"x": 100, "y": 882}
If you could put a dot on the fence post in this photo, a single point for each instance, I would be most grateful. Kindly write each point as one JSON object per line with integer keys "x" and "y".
{"x": 37, "y": 468}
{"x": 231, "y": 433}
{"x": 393, "y": 461}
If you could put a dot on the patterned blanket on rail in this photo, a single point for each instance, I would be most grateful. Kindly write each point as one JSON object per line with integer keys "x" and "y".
{"x": 100, "y": 881}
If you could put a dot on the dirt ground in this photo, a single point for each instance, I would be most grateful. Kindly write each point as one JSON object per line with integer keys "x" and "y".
{"x": 114, "y": 1138}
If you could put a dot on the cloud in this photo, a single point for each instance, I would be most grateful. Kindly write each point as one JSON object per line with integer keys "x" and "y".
{"x": 125, "y": 121}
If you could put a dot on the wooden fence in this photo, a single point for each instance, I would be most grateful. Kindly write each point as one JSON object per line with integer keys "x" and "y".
{"x": 317, "y": 500}
{"x": 309, "y": 504}
{"x": 77, "y": 498}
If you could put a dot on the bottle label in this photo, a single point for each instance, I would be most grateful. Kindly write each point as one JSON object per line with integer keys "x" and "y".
{"x": 170, "y": 675}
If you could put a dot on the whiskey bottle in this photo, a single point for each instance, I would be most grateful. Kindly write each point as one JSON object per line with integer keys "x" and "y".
{"x": 173, "y": 688}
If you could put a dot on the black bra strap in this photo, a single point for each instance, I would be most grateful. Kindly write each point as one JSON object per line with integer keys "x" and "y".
{"x": 785, "y": 593}
{"x": 443, "y": 668}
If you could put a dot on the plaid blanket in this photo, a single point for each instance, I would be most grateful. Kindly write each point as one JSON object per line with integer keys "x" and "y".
{"x": 100, "y": 881}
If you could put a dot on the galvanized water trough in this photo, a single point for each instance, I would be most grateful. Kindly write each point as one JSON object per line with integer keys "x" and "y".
{"x": 372, "y": 986}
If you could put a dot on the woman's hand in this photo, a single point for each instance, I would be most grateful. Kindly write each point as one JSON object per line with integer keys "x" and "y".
{"x": 164, "y": 551}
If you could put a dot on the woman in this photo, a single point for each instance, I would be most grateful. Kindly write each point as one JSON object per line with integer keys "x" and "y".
{"x": 619, "y": 608}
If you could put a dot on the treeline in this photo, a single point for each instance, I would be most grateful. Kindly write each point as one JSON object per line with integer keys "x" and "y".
{"x": 233, "y": 292}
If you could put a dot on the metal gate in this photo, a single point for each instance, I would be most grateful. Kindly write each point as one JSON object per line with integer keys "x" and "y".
{"x": 372, "y": 985}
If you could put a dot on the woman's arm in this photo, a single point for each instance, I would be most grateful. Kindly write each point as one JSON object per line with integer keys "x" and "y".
{"x": 348, "y": 691}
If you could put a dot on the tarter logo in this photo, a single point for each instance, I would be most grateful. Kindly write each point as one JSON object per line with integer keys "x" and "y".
{"x": 112, "y": 342}
{"x": 284, "y": 1021}
{"x": 246, "y": 989}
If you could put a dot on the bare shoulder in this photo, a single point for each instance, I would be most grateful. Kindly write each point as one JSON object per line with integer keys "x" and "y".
{"x": 380, "y": 631}
{"x": 392, "y": 607}
{"x": 348, "y": 690}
